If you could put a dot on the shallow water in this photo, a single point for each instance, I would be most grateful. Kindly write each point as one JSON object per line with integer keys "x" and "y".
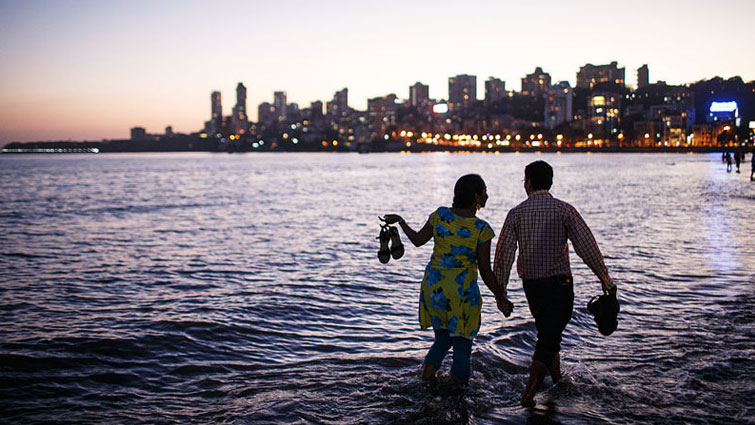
{"x": 214, "y": 288}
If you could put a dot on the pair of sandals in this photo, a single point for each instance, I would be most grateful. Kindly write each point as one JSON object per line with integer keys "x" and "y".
{"x": 605, "y": 308}
{"x": 396, "y": 250}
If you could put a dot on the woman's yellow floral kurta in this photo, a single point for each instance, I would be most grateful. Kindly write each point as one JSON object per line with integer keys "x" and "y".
{"x": 450, "y": 297}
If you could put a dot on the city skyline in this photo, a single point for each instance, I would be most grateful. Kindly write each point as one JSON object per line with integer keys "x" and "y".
{"x": 89, "y": 71}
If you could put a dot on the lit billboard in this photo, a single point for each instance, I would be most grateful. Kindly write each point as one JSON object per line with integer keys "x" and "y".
{"x": 440, "y": 108}
{"x": 723, "y": 106}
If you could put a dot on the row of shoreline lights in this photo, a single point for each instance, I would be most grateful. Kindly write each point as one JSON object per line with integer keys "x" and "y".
{"x": 497, "y": 140}
{"x": 476, "y": 140}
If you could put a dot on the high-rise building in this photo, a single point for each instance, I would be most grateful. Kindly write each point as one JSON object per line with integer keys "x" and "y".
{"x": 419, "y": 94}
{"x": 216, "y": 119}
{"x": 239, "y": 119}
{"x": 604, "y": 112}
{"x": 341, "y": 99}
{"x": 643, "y": 76}
{"x": 462, "y": 92}
{"x": 293, "y": 114}
{"x": 558, "y": 104}
{"x": 495, "y": 90}
{"x": 339, "y": 106}
{"x": 267, "y": 114}
{"x": 316, "y": 110}
{"x": 590, "y": 75}
{"x": 382, "y": 113}
{"x": 537, "y": 83}
{"x": 279, "y": 101}
{"x": 138, "y": 133}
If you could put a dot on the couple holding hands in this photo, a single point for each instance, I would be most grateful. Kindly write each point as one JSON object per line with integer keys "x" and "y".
{"x": 450, "y": 301}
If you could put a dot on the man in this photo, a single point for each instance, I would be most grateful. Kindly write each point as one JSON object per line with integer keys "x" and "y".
{"x": 540, "y": 226}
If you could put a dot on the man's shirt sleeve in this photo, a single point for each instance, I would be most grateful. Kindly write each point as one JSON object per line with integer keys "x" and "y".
{"x": 504, "y": 252}
{"x": 585, "y": 246}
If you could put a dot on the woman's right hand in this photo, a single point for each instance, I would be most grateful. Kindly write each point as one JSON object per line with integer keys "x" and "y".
{"x": 391, "y": 218}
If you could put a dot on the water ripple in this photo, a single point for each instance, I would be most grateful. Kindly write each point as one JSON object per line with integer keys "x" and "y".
{"x": 200, "y": 288}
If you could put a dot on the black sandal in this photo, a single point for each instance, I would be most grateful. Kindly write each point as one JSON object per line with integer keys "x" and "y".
{"x": 397, "y": 248}
{"x": 384, "y": 254}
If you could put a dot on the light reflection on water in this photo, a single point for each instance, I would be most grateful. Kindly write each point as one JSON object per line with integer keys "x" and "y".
{"x": 245, "y": 288}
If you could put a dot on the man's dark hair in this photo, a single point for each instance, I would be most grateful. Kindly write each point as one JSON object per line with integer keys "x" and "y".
{"x": 466, "y": 188}
{"x": 540, "y": 174}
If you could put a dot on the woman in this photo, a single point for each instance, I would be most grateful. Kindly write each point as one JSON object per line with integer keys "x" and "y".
{"x": 450, "y": 299}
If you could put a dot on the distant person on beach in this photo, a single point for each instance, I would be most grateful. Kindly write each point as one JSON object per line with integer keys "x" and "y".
{"x": 540, "y": 227}
{"x": 450, "y": 300}
{"x": 728, "y": 162}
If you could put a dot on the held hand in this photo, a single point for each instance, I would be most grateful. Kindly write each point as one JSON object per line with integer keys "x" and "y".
{"x": 609, "y": 288}
{"x": 505, "y": 306}
{"x": 390, "y": 218}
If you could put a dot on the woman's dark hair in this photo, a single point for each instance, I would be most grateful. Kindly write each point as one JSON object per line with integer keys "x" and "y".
{"x": 540, "y": 174}
{"x": 465, "y": 190}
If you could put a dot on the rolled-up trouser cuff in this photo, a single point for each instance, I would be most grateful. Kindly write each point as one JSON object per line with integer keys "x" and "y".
{"x": 543, "y": 356}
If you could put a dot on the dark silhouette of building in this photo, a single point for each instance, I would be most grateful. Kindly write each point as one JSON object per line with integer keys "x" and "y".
{"x": 239, "y": 119}
{"x": 495, "y": 91}
{"x": 280, "y": 103}
{"x": 590, "y": 75}
{"x": 316, "y": 110}
{"x": 537, "y": 83}
{"x": 462, "y": 92}
{"x": 558, "y": 104}
{"x": 339, "y": 106}
{"x": 267, "y": 114}
{"x": 215, "y": 125}
{"x": 382, "y": 114}
{"x": 138, "y": 133}
{"x": 419, "y": 95}
{"x": 643, "y": 77}
{"x": 604, "y": 113}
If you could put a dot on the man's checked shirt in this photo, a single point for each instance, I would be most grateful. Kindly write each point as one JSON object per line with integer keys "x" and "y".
{"x": 541, "y": 226}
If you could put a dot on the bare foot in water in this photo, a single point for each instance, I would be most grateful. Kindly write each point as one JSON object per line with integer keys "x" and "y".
{"x": 538, "y": 370}
{"x": 428, "y": 372}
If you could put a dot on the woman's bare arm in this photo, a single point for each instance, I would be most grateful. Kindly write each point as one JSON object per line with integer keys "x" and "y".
{"x": 418, "y": 238}
{"x": 483, "y": 264}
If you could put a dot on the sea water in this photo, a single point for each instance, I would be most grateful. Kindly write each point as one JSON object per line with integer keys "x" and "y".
{"x": 245, "y": 288}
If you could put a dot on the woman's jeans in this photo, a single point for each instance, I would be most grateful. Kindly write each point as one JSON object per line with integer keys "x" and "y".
{"x": 461, "y": 368}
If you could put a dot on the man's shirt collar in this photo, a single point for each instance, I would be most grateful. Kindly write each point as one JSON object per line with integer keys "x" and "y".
{"x": 540, "y": 193}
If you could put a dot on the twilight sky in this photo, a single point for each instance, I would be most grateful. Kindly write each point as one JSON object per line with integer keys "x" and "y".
{"x": 92, "y": 69}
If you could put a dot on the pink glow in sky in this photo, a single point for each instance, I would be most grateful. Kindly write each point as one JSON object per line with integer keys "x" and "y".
{"x": 88, "y": 70}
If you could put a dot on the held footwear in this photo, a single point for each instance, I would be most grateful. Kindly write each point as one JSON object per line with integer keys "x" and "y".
{"x": 605, "y": 308}
{"x": 397, "y": 248}
{"x": 384, "y": 254}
